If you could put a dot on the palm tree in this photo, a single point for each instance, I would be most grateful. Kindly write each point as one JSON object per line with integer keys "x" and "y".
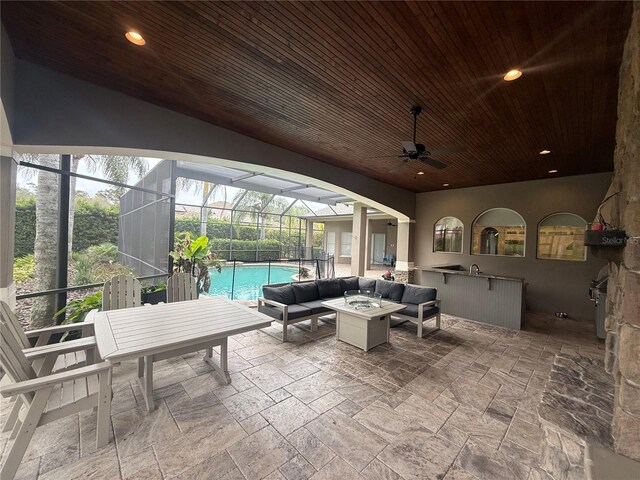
{"x": 114, "y": 168}
{"x": 256, "y": 206}
{"x": 44, "y": 249}
{"x": 209, "y": 191}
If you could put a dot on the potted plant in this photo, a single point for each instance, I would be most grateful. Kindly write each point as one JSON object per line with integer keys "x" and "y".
{"x": 195, "y": 258}
{"x": 388, "y": 276}
{"x": 154, "y": 294}
{"x": 77, "y": 310}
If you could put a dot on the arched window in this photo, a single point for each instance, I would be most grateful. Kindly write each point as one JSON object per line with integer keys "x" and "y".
{"x": 561, "y": 237}
{"x": 499, "y": 231}
{"x": 447, "y": 235}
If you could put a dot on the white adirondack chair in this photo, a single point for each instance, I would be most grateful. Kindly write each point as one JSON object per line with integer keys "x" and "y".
{"x": 49, "y": 397}
{"x": 122, "y": 291}
{"x": 181, "y": 287}
{"x": 43, "y": 335}
{"x": 46, "y": 358}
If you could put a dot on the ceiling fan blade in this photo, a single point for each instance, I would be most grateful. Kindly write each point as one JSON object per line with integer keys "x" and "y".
{"x": 409, "y": 147}
{"x": 448, "y": 150}
{"x": 433, "y": 162}
{"x": 398, "y": 167}
{"x": 387, "y": 156}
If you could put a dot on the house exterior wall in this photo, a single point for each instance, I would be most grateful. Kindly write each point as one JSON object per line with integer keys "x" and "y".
{"x": 552, "y": 285}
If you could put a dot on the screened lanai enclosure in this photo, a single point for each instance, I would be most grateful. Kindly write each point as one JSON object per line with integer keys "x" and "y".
{"x": 82, "y": 219}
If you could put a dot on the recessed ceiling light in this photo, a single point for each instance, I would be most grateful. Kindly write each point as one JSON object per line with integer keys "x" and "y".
{"x": 512, "y": 75}
{"x": 420, "y": 173}
{"x": 134, "y": 37}
{"x": 445, "y": 184}
{"x": 553, "y": 171}
{"x": 545, "y": 152}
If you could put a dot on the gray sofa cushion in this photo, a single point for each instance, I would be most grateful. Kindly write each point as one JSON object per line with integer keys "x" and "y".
{"x": 329, "y": 287}
{"x": 367, "y": 284}
{"x": 349, "y": 283}
{"x": 316, "y": 306}
{"x": 390, "y": 290}
{"x": 412, "y": 311}
{"x": 305, "y": 291}
{"x": 282, "y": 294}
{"x": 295, "y": 311}
{"x": 416, "y": 295}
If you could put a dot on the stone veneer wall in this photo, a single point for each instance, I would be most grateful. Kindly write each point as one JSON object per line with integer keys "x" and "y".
{"x": 403, "y": 276}
{"x": 622, "y": 358}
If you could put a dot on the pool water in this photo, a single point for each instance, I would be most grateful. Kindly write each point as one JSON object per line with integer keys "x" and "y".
{"x": 248, "y": 280}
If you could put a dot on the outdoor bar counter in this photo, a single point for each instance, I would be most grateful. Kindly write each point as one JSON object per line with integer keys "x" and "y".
{"x": 493, "y": 299}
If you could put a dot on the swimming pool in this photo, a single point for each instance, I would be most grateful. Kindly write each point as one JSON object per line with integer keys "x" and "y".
{"x": 248, "y": 280}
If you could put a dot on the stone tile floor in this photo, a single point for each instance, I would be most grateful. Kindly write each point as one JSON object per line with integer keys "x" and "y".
{"x": 458, "y": 404}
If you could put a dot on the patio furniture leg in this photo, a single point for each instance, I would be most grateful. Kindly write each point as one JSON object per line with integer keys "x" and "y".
{"x": 141, "y": 367}
{"x": 223, "y": 367}
{"x": 420, "y": 327}
{"x": 25, "y": 433}
{"x": 13, "y": 415}
{"x": 209, "y": 352}
{"x": 146, "y": 383}
{"x": 104, "y": 410}
{"x": 314, "y": 324}
{"x": 285, "y": 327}
{"x": 438, "y": 321}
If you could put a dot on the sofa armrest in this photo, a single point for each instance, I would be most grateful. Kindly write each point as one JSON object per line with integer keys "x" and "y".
{"x": 273, "y": 303}
{"x": 283, "y": 306}
{"x": 426, "y": 304}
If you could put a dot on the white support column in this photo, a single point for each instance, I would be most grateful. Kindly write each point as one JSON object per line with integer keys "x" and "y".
{"x": 8, "y": 172}
{"x": 308, "y": 242}
{"x": 358, "y": 239}
{"x": 404, "y": 262}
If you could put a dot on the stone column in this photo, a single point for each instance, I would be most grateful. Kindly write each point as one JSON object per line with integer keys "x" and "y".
{"x": 8, "y": 171}
{"x": 404, "y": 272}
{"x": 358, "y": 239}
{"x": 622, "y": 357}
{"x": 308, "y": 241}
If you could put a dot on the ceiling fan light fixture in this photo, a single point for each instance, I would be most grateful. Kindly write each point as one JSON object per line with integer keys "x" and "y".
{"x": 420, "y": 173}
{"x": 545, "y": 152}
{"x": 512, "y": 75}
{"x": 135, "y": 37}
{"x": 445, "y": 184}
{"x": 553, "y": 171}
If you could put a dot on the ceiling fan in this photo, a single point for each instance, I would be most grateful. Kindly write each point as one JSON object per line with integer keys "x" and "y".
{"x": 417, "y": 151}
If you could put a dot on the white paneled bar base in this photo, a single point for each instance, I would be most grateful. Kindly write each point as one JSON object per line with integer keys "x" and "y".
{"x": 491, "y": 299}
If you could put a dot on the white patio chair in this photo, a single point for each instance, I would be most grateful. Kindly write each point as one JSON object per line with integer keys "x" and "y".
{"x": 122, "y": 291}
{"x": 43, "y": 335}
{"x": 181, "y": 287}
{"x": 46, "y": 358}
{"x": 49, "y": 397}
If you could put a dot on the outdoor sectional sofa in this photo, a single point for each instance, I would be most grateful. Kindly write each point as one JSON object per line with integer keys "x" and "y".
{"x": 290, "y": 303}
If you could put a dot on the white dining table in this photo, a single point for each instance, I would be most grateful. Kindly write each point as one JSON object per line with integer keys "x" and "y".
{"x": 156, "y": 332}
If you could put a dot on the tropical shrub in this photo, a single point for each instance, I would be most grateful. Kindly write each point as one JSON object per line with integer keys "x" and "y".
{"x": 23, "y": 269}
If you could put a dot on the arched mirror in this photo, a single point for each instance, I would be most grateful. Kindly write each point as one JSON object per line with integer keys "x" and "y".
{"x": 561, "y": 237}
{"x": 499, "y": 231}
{"x": 447, "y": 235}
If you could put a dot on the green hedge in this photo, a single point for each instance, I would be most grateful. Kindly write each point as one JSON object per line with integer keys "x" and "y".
{"x": 93, "y": 225}
{"x": 245, "y": 250}
{"x": 25, "y": 228}
{"x": 96, "y": 224}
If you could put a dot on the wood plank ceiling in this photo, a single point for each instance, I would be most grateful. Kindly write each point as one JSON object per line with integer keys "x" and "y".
{"x": 335, "y": 80}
